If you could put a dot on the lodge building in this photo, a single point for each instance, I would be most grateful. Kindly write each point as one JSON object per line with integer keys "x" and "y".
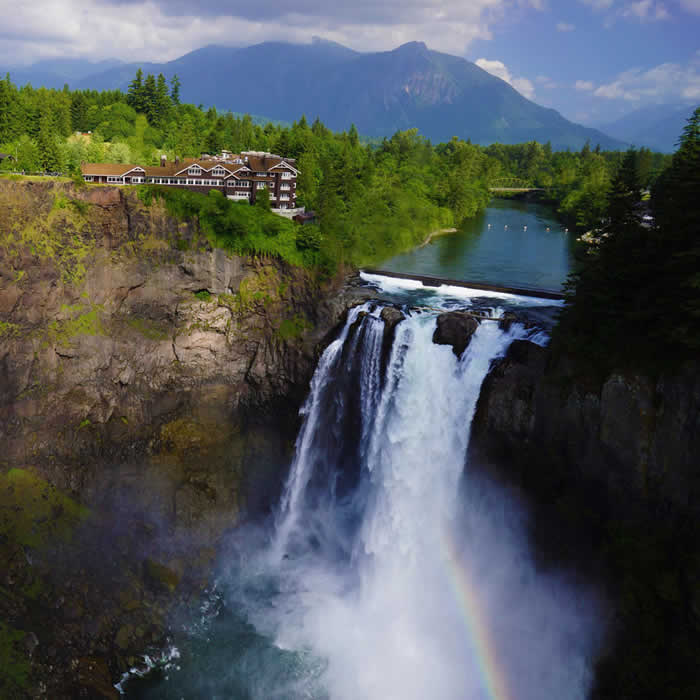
{"x": 237, "y": 176}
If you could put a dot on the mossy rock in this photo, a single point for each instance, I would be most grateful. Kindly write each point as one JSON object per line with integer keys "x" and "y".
{"x": 185, "y": 435}
{"x": 33, "y": 512}
{"x": 14, "y": 663}
{"x": 159, "y": 577}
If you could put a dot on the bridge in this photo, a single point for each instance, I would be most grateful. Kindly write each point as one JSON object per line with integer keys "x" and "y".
{"x": 431, "y": 281}
{"x": 515, "y": 190}
{"x": 512, "y": 185}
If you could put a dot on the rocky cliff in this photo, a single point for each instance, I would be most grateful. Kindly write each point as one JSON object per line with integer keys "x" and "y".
{"x": 149, "y": 389}
{"x": 639, "y": 437}
{"x": 612, "y": 472}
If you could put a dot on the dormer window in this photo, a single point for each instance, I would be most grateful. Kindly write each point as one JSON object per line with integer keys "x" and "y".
{"x": 194, "y": 170}
{"x": 219, "y": 172}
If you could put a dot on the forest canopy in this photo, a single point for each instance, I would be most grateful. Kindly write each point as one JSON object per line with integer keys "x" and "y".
{"x": 372, "y": 198}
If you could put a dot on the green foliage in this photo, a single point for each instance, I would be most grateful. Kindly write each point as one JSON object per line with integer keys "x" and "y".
{"x": 234, "y": 226}
{"x": 636, "y": 300}
{"x": 262, "y": 199}
{"x": 149, "y": 329}
{"x": 203, "y": 295}
{"x": 82, "y": 320}
{"x": 291, "y": 328}
{"x": 8, "y": 330}
{"x": 33, "y": 513}
{"x": 14, "y": 663}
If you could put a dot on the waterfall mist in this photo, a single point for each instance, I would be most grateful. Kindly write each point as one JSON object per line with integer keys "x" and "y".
{"x": 403, "y": 574}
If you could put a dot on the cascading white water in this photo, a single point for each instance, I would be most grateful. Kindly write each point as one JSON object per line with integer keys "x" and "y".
{"x": 415, "y": 581}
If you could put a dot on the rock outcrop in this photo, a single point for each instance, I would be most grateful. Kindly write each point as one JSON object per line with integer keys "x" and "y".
{"x": 636, "y": 436}
{"x": 455, "y": 328}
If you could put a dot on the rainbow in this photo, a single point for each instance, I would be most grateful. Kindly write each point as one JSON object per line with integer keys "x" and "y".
{"x": 494, "y": 678}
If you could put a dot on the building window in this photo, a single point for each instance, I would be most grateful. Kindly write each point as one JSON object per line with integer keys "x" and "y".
{"x": 88, "y": 178}
{"x": 284, "y": 186}
{"x": 286, "y": 176}
{"x": 261, "y": 185}
{"x": 219, "y": 172}
{"x": 194, "y": 171}
{"x": 112, "y": 178}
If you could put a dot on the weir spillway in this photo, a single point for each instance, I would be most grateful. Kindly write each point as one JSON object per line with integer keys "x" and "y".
{"x": 432, "y": 281}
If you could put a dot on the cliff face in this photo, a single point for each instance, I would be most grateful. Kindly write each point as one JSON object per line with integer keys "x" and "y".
{"x": 638, "y": 437}
{"x": 613, "y": 474}
{"x": 116, "y": 319}
{"x": 149, "y": 389}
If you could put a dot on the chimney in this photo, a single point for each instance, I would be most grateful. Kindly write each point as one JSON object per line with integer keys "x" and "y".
{"x": 163, "y": 160}
{"x": 177, "y": 160}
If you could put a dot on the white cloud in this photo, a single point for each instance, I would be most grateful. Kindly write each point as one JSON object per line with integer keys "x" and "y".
{"x": 158, "y": 30}
{"x": 691, "y": 5}
{"x": 546, "y": 82}
{"x": 565, "y": 27}
{"x": 584, "y": 85}
{"x": 500, "y": 70}
{"x": 645, "y": 10}
{"x": 598, "y": 4}
{"x": 663, "y": 83}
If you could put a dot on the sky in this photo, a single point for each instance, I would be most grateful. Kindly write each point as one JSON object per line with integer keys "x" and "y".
{"x": 592, "y": 60}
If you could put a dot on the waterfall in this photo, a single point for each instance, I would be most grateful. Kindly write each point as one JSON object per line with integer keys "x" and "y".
{"x": 400, "y": 573}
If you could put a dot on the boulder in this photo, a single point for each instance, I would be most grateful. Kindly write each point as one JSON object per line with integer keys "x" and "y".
{"x": 391, "y": 317}
{"x": 455, "y": 328}
{"x": 507, "y": 320}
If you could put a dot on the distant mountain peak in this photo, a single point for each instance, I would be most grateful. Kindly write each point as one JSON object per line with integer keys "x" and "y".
{"x": 412, "y": 46}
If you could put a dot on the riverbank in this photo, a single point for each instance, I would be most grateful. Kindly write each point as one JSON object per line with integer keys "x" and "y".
{"x": 434, "y": 234}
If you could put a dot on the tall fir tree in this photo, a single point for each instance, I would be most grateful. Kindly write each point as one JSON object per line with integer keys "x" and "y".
{"x": 135, "y": 92}
{"x": 163, "y": 104}
{"x": 175, "y": 90}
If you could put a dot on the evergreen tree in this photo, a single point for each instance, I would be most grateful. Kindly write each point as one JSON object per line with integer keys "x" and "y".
{"x": 135, "y": 93}
{"x": 10, "y": 128}
{"x": 175, "y": 90}
{"x": 150, "y": 90}
{"x": 49, "y": 154}
{"x": 624, "y": 215}
{"x": 163, "y": 104}
{"x": 79, "y": 112}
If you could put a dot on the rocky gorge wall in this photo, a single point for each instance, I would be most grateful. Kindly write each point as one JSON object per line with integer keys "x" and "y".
{"x": 638, "y": 437}
{"x": 611, "y": 472}
{"x": 149, "y": 389}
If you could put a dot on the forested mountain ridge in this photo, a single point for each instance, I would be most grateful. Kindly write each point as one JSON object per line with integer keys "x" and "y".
{"x": 409, "y": 87}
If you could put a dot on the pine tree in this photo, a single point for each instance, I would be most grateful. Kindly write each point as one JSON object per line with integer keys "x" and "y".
{"x": 150, "y": 98}
{"x": 135, "y": 94}
{"x": 78, "y": 112}
{"x": 175, "y": 90}
{"x": 162, "y": 102}
{"x": 10, "y": 127}
{"x": 49, "y": 155}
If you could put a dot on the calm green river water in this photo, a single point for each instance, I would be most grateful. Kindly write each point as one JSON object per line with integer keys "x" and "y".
{"x": 513, "y": 243}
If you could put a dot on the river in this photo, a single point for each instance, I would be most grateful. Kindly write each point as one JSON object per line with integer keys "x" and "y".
{"x": 513, "y": 242}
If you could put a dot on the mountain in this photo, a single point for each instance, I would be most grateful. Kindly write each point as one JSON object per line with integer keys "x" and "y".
{"x": 55, "y": 73}
{"x": 410, "y": 86}
{"x": 657, "y": 127}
